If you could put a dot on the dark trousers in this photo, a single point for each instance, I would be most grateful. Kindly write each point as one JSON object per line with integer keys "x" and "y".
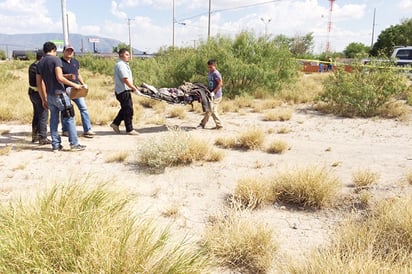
{"x": 126, "y": 110}
{"x": 40, "y": 117}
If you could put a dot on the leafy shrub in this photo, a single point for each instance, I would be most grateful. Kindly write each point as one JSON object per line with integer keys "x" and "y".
{"x": 361, "y": 92}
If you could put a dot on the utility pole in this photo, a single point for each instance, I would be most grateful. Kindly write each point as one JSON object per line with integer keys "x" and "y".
{"x": 208, "y": 25}
{"x": 174, "y": 21}
{"x": 266, "y": 24}
{"x": 64, "y": 23}
{"x": 373, "y": 26}
{"x": 130, "y": 39}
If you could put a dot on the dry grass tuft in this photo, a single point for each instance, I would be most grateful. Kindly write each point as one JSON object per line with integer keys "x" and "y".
{"x": 240, "y": 244}
{"x": 74, "y": 229}
{"x": 281, "y": 114}
{"x": 305, "y": 90}
{"x": 4, "y": 151}
{"x": 364, "y": 178}
{"x": 171, "y": 212}
{"x": 310, "y": 187}
{"x": 262, "y": 105}
{"x": 178, "y": 111}
{"x": 277, "y": 147}
{"x": 254, "y": 192}
{"x": 381, "y": 242}
{"x": 174, "y": 148}
{"x": 284, "y": 130}
{"x": 117, "y": 157}
{"x": 252, "y": 138}
{"x": 395, "y": 109}
{"x": 409, "y": 178}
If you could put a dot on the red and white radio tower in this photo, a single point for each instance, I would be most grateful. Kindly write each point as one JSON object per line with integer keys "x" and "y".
{"x": 329, "y": 24}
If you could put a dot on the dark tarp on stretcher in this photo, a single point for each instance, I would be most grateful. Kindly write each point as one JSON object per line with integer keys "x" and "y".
{"x": 184, "y": 94}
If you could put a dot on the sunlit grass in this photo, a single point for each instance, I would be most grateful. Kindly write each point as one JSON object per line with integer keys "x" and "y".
{"x": 117, "y": 157}
{"x": 277, "y": 147}
{"x": 363, "y": 178}
{"x": 380, "y": 242}
{"x": 174, "y": 148}
{"x": 254, "y": 192}
{"x": 250, "y": 139}
{"x": 308, "y": 187}
{"x": 240, "y": 243}
{"x": 279, "y": 114}
{"x": 76, "y": 229}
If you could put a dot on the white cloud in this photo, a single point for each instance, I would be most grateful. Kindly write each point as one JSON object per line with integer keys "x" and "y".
{"x": 406, "y": 4}
{"x": 117, "y": 12}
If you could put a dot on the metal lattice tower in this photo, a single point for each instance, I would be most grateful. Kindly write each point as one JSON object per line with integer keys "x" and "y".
{"x": 329, "y": 24}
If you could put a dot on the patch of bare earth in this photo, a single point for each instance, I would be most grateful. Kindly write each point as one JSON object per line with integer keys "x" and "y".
{"x": 193, "y": 193}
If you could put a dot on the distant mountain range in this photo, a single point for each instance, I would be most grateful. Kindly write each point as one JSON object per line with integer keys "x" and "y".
{"x": 81, "y": 43}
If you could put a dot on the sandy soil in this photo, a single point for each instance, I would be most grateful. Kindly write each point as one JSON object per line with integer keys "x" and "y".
{"x": 199, "y": 190}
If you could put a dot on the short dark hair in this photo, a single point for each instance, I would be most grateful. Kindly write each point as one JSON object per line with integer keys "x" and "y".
{"x": 49, "y": 46}
{"x": 39, "y": 54}
{"x": 211, "y": 62}
{"x": 123, "y": 50}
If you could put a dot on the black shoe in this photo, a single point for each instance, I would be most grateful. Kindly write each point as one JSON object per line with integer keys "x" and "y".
{"x": 200, "y": 126}
{"x": 55, "y": 149}
{"x": 44, "y": 141}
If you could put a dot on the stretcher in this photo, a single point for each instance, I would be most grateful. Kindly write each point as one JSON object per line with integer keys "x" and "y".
{"x": 184, "y": 94}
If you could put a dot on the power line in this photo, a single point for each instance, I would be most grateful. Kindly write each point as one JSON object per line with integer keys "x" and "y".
{"x": 228, "y": 9}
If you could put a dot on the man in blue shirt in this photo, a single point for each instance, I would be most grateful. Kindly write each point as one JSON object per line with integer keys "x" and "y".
{"x": 215, "y": 84}
{"x": 123, "y": 85}
{"x": 71, "y": 72}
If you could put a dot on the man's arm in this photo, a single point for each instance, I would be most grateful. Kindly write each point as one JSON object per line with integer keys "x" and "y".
{"x": 63, "y": 80}
{"x": 129, "y": 84}
{"x": 41, "y": 88}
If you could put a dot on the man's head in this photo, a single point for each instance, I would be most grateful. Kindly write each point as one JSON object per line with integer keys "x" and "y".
{"x": 211, "y": 65}
{"x": 39, "y": 54}
{"x": 124, "y": 54}
{"x": 49, "y": 47}
{"x": 68, "y": 51}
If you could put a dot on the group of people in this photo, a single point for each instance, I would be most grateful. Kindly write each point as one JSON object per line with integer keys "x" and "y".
{"x": 50, "y": 76}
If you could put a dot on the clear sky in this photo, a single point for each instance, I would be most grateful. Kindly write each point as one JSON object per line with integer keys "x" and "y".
{"x": 151, "y": 21}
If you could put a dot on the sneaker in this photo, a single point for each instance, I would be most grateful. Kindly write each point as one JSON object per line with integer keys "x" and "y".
{"x": 55, "y": 149}
{"x": 65, "y": 133}
{"x": 77, "y": 147}
{"x": 89, "y": 134}
{"x": 133, "y": 132}
{"x": 218, "y": 127}
{"x": 200, "y": 126}
{"x": 44, "y": 141}
{"x": 115, "y": 128}
{"x": 35, "y": 139}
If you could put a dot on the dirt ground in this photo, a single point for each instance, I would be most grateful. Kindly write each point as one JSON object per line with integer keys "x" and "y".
{"x": 198, "y": 191}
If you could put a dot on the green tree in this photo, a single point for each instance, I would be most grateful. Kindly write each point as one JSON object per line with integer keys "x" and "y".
{"x": 356, "y": 50}
{"x": 2, "y": 55}
{"x": 119, "y": 46}
{"x": 301, "y": 45}
{"x": 392, "y": 36}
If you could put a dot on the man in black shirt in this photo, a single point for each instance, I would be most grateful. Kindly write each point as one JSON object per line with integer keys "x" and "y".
{"x": 40, "y": 114}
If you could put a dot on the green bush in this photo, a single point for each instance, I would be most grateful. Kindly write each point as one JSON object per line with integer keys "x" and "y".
{"x": 361, "y": 92}
{"x": 246, "y": 63}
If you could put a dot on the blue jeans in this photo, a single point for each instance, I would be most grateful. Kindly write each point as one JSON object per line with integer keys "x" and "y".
{"x": 56, "y": 106}
{"x": 84, "y": 114}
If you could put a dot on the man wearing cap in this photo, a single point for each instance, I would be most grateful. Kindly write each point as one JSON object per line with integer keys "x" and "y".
{"x": 71, "y": 72}
{"x": 40, "y": 114}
